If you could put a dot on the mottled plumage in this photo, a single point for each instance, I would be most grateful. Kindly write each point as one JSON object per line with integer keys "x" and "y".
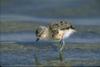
{"x": 53, "y": 30}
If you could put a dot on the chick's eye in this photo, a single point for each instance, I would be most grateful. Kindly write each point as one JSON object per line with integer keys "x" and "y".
{"x": 72, "y": 27}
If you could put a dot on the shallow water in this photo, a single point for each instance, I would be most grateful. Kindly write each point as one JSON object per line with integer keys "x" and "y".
{"x": 82, "y": 48}
{"x": 19, "y": 48}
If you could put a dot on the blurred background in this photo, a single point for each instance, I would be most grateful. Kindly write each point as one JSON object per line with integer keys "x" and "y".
{"x": 20, "y": 18}
{"x": 79, "y": 12}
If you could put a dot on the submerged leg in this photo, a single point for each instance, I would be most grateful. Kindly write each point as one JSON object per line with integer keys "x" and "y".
{"x": 62, "y": 44}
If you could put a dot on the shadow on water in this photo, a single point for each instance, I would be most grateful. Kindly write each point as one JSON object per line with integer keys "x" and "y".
{"x": 41, "y": 44}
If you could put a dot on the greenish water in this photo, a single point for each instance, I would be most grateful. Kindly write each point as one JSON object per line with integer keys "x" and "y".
{"x": 74, "y": 54}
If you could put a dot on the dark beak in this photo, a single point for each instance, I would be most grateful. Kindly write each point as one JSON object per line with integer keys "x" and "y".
{"x": 72, "y": 27}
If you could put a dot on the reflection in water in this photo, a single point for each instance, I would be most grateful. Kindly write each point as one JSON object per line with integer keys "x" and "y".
{"x": 21, "y": 49}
